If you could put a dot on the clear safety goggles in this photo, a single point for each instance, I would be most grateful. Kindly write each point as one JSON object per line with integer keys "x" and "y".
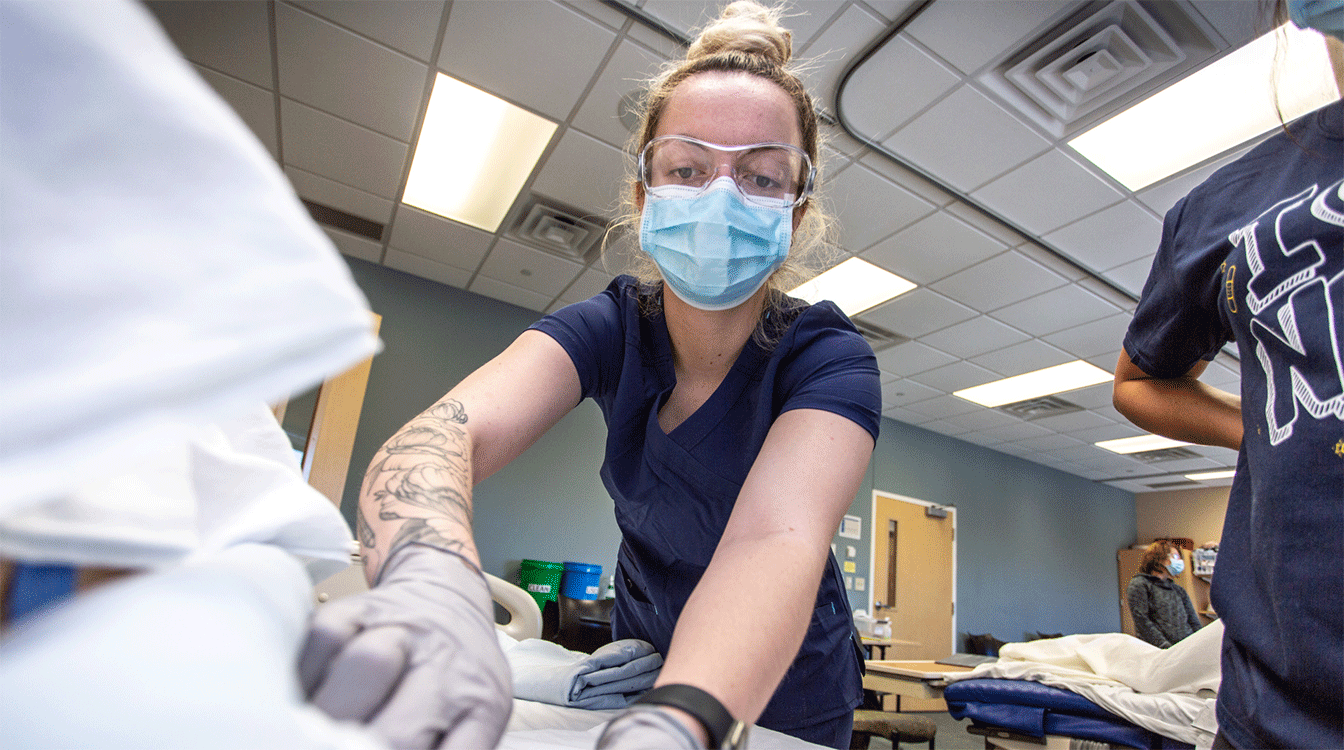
{"x": 765, "y": 173}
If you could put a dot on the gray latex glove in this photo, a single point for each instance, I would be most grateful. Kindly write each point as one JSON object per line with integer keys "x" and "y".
{"x": 646, "y": 728}
{"x": 416, "y": 657}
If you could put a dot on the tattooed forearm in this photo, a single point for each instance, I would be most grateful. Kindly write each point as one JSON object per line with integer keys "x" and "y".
{"x": 419, "y": 486}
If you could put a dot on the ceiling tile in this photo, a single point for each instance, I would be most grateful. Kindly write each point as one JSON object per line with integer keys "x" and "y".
{"x": 603, "y": 168}
{"x": 681, "y": 15}
{"x": 1048, "y": 192}
{"x": 892, "y": 9}
{"x": 1027, "y": 356}
{"x": 975, "y": 336}
{"x": 969, "y": 34}
{"x": 255, "y": 105}
{"x": 944, "y": 407}
{"x": 589, "y": 283}
{"x": 1047, "y": 443}
{"x": 943, "y": 427}
{"x": 867, "y": 104}
{"x": 410, "y": 26}
{"x": 1110, "y": 431}
{"x": 324, "y": 145}
{"x": 230, "y": 37}
{"x": 508, "y": 293}
{"x": 1091, "y": 339}
{"x": 1074, "y": 421}
{"x": 932, "y": 248}
{"x": 1237, "y": 21}
{"x": 327, "y": 192}
{"x": 981, "y": 419}
{"x": 1092, "y": 397}
{"x": 624, "y": 74}
{"x": 1131, "y": 276}
{"x": 999, "y": 281}
{"x": 521, "y": 266}
{"x": 831, "y": 54}
{"x": 426, "y": 268}
{"x": 327, "y": 67}
{"x": 869, "y": 207}
{"x": 1056, "y": 310}
{"x": 544, "y": 62}
{"x": 355, "y": 246}
{"x": 1110, "y": 238}
{"x": 918, "y": 312}
{"x": 441, "y": 240}
{"x": 898, "y": 172}
{"x": 954, "y": 377}
{"x": 910, "y": 358}
{"x": 966, "y": 139}
{"x": 904, "y": 392}
{"x": 1014, "y": 432}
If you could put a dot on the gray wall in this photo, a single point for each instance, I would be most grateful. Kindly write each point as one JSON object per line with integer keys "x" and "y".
{"x": 1035, "y": 547}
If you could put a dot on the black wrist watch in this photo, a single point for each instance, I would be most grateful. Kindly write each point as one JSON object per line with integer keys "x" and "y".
{"x": 725, "y": 732}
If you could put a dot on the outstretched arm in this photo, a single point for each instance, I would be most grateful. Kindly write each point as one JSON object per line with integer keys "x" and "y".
{"x": 1179, "y": 408}
{"x": 418, "y": 486}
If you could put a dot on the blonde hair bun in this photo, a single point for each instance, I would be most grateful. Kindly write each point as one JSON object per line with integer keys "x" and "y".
{"x": 748, "y": 27}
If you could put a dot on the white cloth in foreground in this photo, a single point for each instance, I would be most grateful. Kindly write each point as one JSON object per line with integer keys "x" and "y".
{"x": 197, "y": 656}
{"x": 610, "y": 677}
{"x": 158, "y": 271}
{"x": 1169, "y": 691}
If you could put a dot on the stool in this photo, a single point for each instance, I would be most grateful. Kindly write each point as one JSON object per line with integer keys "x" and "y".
{"x": 899, "y": 727}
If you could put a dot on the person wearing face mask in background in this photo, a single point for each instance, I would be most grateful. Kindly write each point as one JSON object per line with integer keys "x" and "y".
{"x": 1162, "y": 611}
{"x": 740, "y": 423}
{"x": 1254, "y": 255}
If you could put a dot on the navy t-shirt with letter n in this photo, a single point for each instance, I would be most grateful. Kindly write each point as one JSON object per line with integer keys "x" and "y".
{"x": 674, "y": 491}
{"x": 1256, "y": 255}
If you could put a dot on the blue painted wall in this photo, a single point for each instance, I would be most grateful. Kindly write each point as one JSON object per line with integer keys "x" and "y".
{"x": 1035, "y": 547}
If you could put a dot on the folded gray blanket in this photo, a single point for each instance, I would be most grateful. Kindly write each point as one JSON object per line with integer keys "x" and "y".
{"x": 613, "y": 676}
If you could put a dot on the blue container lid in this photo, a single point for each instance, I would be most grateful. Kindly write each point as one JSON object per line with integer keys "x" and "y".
{"x": 578, "y": 567}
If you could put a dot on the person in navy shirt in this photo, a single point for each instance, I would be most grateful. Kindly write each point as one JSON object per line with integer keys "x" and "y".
{"x": 1255, "y": 255}
{"x": 740, "y": 424}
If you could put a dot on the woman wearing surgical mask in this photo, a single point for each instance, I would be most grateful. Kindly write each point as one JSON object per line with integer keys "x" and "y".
{"x": 740, "y": 423}
{"x": 1162, "y": 611}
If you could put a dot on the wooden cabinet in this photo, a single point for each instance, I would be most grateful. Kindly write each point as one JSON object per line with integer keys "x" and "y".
{"x": 1127, "y": 566}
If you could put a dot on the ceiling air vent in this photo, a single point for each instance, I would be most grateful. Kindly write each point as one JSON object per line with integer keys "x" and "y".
{"x": 1173, "y": 485}
{"x": 1098, "y": 61}
{"x": 559, "y": 231}
{"x": 879, "y": 338}
{"x": 1039, "y": 408}
{"x": 1166, "y": 454}
{"x": 334, "y": 217}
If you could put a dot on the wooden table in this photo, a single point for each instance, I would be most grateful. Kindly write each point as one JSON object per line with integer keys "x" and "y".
{"x": 883, "y": 643}
{"x": 914, "y": 679}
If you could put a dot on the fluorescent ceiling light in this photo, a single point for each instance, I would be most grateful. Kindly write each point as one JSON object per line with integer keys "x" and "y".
{"x": 1140, "y": 444}
{"x": 1066, "y": 377}
{"x": 1218, "y": 108}
{"x": 474, "y": 154}
{"x": 1205, "y": 476}
{"x": 854, "y": 286}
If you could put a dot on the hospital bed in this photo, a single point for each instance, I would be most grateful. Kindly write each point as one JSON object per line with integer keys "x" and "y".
{"x": 536, "y": 725}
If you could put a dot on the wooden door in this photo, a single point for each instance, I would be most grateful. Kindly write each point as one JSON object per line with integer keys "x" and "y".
{"x": 913, "y": 579}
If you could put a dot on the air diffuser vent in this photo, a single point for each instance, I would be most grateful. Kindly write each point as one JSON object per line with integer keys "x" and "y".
{"x": 1166, "y": 454}
{"x": 879, "y": 338}
{"x": 558, "y": 230}
{"x": 334, "y": 217}
{"x": 1099, "y": 61}
{"x": 1039, "y": 408}
{"x": 1173, "y": 485}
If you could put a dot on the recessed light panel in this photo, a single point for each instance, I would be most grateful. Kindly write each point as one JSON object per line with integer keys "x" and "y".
{"x": 1140, "y": 444}
{"x": 1285, "y": 73}
{"x": 1058, "y": 379}
{"x": 474, "y": 154}
{"x": 854, "y": 286}
{"x": 1207, "y": 476}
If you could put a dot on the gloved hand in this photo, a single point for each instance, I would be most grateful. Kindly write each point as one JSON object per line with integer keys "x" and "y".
{"x": 416, "y": 657}
{"x": 646, "y": 728}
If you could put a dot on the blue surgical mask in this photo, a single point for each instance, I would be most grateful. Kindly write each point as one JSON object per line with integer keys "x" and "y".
{"x": 1326, "y": 16}
{"x": 1176, "y": 566}
{"x": 712, "y": 247}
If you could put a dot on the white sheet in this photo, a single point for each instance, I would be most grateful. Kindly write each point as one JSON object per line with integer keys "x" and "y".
{"x": 580, "y": 728}
{"x": 610, "y": 677}
{"x": 158, "y": 271}
{"x": 1168, "y": 691}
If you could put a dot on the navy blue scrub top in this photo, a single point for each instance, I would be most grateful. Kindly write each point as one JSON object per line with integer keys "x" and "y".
{"x": 675, "y": 491}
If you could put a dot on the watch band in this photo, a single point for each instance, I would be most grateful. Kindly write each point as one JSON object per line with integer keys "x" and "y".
{"x": 718, "y": 723}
